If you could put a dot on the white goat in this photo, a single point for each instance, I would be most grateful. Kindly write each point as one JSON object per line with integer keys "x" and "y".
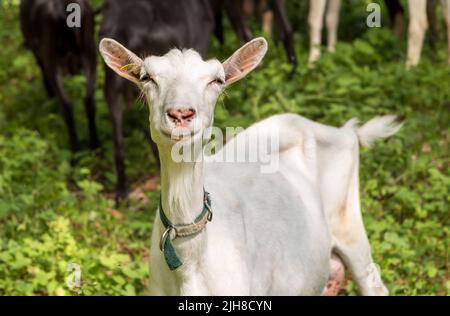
{"x": 416, "y": 31}
{"x": 271, "y": 233}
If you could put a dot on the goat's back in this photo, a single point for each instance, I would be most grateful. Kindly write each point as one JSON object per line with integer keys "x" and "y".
{"x": 149, "y": 27}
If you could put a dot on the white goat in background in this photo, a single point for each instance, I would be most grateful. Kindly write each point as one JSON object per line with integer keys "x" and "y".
{"x": 418, "y": 25}
{"x": 272, "y": 234}
{"x": 317, "y": 10}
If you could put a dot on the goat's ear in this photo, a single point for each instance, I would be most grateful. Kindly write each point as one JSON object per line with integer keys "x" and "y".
{"x": 244, "y": 60}
{"x": 121, "y": 60}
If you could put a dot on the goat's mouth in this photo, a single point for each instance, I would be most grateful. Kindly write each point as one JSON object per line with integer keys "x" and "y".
{"x": 178, "y": 134}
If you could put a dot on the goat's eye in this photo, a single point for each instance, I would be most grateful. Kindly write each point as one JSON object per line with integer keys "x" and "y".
{"x": 218, "y": 81}
{"x": 145, "y": 77}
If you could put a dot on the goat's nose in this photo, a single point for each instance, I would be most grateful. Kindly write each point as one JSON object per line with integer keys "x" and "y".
{"x": 181, "y": 116}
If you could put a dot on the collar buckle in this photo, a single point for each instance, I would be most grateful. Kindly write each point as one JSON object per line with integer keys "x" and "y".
{"x": 164, "y": 237}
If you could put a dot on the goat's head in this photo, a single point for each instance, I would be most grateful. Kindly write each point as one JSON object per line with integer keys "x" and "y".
{"x": 180, "y": 87}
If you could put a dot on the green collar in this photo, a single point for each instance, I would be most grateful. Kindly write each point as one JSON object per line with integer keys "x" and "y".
{"x": 171, "y": 231}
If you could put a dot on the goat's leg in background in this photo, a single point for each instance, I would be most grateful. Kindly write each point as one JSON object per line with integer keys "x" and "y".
{"x": 418, "y": 25}
{"x": 433, "y": 23}
{"x": 267, "y": 17}
{"x": 236, "y": 17}
{"x": 218, "y": 26}
{"x": 89, "y": 101}
{"x": 89, "y": 63}
{"x": 315, "y": 22}
{"x": 115, "y": 105}
{"x": 260, "y": 8}
{"x": 397, "y": 16}
{"x": 280, "y": 14}
{"x": 248, "y": 7}
{"x": 446, "y": 12}
{"x": 55, "y": 82}
{"x": 47, "y": 84}
{"x": 332, "y": 22}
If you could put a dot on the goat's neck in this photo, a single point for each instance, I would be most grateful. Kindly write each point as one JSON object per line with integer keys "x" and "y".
{"x": 181, "y": 189}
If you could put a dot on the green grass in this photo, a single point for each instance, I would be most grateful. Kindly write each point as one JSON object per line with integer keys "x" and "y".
{"x": 53, "y": 214}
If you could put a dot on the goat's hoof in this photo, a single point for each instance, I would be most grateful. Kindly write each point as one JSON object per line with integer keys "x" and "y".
{"x": 121, "y": 196}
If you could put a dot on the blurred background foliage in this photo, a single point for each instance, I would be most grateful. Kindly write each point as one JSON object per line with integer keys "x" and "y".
{"x": 53, "y": 213}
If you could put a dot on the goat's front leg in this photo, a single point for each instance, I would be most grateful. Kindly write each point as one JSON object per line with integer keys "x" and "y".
{"x": 47, "y": 84}
{"x": 116, "y": 112}
{"x": 236, "y": 17}
{"x": 418, "y": 24}
{"x": 332, "y": 21}
{"x": 56, "y": 84}
{"x": 267, "y": 14}
{"x": 315, "y": 21}
{"x": 280, "y": 14}
{"x": 119, "y": 151}
{"x": 397, "y": 16}
{"x": 446, "y": 11}
{"x": 89, "y": 102}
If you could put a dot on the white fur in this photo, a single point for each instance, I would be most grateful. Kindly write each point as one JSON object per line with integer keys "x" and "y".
{"x": 376, "y": 128}
{"x": 418, "y": 25}
{"x": 271, "y": 234}
{"x": 446, "y": 11}
{"x": 317, "y": 10}
{"x": 274, "y": 234}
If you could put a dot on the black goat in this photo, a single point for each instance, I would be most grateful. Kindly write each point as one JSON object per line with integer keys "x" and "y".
{"x": 149, "y": 27}
{"x": 60, "y": 49}
{"x": 238, "y": 10}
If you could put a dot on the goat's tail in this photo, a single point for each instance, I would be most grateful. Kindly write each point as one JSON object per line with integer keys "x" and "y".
{"x": 379, "y": 127}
